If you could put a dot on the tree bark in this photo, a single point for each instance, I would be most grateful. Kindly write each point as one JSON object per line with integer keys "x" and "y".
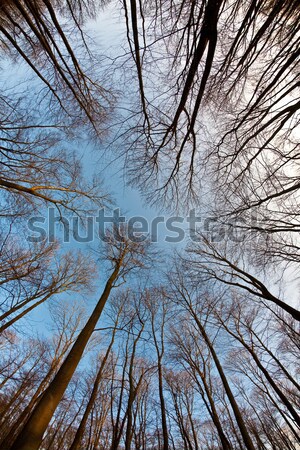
{"x": 80, "y": 431}
{"x": 31, "y": 435}
{"x": 237, "y": 413}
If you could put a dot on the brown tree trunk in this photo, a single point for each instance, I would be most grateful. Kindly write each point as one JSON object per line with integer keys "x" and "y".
{"x": 237, "y": 413}
{"x": 162, "y": 406}
{"x": 213, "y": 413}
{"x": 31, "y": 435}
{"x": 80, "y": 431}
{"x": 133, "y": 390}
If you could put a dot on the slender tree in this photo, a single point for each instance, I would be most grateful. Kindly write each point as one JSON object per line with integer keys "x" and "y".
{"x": 124, "y": 256}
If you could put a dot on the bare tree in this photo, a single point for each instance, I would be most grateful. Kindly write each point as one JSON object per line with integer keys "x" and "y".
{"x": 124, "y": 256}
{"x": 235, "y": 64}
{"x": 38, "y": 34}
{"x": 93, "y": 396}
{"x": 200, "y": 315}
{"x": 227, "y": 263}
{"x": 159, "y": 310}
{"x": 67, "y": 321}
{"x": 35, "y": 278}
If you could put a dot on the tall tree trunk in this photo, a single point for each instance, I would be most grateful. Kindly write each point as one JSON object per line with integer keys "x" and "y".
{"x": 8, "y": 440}
{"x": 212, "y": 410}
{"x": 162, "y": 406}
{"x": 160, "y": 349}
{"x": 133, "y": 390}
{"x": 80, "y": 431}
{"x": 272, "y": 383}
{"x": 237, "y": 413}
{"x": 31, "y": 435}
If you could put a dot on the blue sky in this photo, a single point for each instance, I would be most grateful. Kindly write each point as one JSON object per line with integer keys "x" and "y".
{"x": 108, "y": 33}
